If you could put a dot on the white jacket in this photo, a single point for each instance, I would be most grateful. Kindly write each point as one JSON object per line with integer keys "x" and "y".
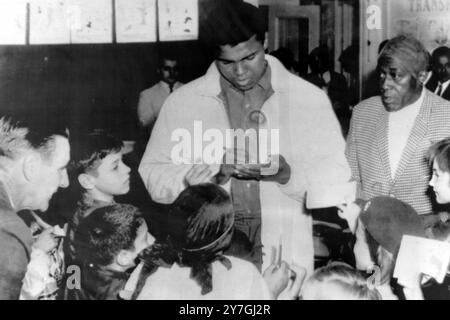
{"x": 310, "y": 140}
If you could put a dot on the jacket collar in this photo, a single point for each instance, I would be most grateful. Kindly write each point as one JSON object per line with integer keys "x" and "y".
{"x": 210, "y": 85}
{"x": 418, "y": 133}
{"x": 5, "y": 199}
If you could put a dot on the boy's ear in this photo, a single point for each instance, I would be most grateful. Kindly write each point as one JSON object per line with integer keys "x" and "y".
{"x": 86, "y": 181}
{"x": 124, "y": 258}
{"x": 31, "y": 165}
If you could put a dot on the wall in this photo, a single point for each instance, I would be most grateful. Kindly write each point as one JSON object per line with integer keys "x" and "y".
{"x": 90, "y": 86}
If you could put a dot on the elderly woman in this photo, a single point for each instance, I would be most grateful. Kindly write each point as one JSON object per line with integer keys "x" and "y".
{"x": 190, "y": 263}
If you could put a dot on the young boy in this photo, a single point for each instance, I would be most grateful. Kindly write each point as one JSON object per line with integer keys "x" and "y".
{"x": 100, "y": 174}
{"x": 107, "y": 242}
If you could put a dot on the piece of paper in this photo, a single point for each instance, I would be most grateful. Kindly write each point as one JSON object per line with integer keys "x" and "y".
{"x": 13, "y": 24}
{"x": 420, "y": 255}
{"x": 178, "y": 20}
{"x": 323, "y": 196}
{"x": 90, "y": 21}
{"x": 136, "y": 20}
{"x": 48, "y": 22}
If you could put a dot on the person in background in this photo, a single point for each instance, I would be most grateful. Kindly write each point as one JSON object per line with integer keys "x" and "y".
{"x": 152, "y": 99}
{"x": 440, "y": 79}
{"x": 33, "y": 164}
{"x": 333, "y": 83}
{"x": 286, "y": 57}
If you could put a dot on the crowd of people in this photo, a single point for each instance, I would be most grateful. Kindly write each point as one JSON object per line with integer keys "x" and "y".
{"x": 238, "y": 226}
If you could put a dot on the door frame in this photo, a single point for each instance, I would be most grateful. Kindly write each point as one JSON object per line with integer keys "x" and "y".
{"x": 277, "y": 12}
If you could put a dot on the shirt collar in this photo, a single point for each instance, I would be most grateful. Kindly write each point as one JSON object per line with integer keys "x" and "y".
{"x": 444, "y": 84}
{"x": 415, "y": 105}
{"x": 419, "y": 101}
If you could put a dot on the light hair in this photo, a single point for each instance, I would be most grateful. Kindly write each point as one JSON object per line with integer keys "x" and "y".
{"x": 17, "y": 138}
{"x": 349, "y": 281}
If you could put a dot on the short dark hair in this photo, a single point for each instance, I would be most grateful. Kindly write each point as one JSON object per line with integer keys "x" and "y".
{"x": 88, "y": 151}
{"x": 231, "y": 22}
{"x": 105, "y": 232}
{"x": 439, "y": 52}
{"x": 20, "y": 134}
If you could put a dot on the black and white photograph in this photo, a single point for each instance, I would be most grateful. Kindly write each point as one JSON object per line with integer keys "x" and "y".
{"x": 231, "y": 150}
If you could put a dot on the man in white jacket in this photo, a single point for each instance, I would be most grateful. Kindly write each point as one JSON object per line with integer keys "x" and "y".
{"x": 245, "y": 90}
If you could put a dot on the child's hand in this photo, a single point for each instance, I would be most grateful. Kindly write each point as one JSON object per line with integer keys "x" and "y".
{"x": 292, "y": 291}
{"x": 46, "y": 241}
{"x": 277, "y": 278}
{"x": 349, "y": 211}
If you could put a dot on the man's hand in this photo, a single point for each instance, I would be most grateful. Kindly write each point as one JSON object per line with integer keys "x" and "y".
{"x": 46, "y": 241}
{"x": 282, "y": 175}
{"x": 199, "y": 173}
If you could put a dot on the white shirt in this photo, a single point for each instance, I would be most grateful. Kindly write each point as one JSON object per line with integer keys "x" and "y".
{"x": 151, "y": 101}
{"x": 400, "y": 125}
{"x": 444, "y": 87}
{"x": 241, "y": 282}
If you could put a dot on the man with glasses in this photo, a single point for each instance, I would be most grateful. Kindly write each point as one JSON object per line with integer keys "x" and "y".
{"x": 440, "y": 79}
{"x": 152, "y": 99}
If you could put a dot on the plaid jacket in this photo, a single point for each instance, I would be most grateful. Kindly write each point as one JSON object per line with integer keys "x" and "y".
{"x": 368, "y": 156}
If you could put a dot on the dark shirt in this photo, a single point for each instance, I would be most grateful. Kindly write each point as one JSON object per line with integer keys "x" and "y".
{"x": 239, "y": 105}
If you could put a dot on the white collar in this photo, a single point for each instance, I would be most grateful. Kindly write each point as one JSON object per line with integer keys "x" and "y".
{"x": 444, "y": 84}
{"x": 413, "y": 106}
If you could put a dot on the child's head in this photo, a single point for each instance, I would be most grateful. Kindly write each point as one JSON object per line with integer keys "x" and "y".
{"x": 98, "y": 166}
{"x": 439, "y": 159}
{"x": 338, "y": 281}
{"x": 202, "y": 215}
{"x": 386, "y": 220}
{"x": 112, "y": 236}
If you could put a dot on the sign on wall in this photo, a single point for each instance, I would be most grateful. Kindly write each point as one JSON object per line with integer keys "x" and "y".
{"x": 427, "y": 20}
{"x": 178, "y": 20}
{"x": 136, "y": 20}
{"x": 70, "y": 21}
{"x": 13, "y": 23}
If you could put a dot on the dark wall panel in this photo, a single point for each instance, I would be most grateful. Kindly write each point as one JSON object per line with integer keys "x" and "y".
{"x": 89, "y": 86}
